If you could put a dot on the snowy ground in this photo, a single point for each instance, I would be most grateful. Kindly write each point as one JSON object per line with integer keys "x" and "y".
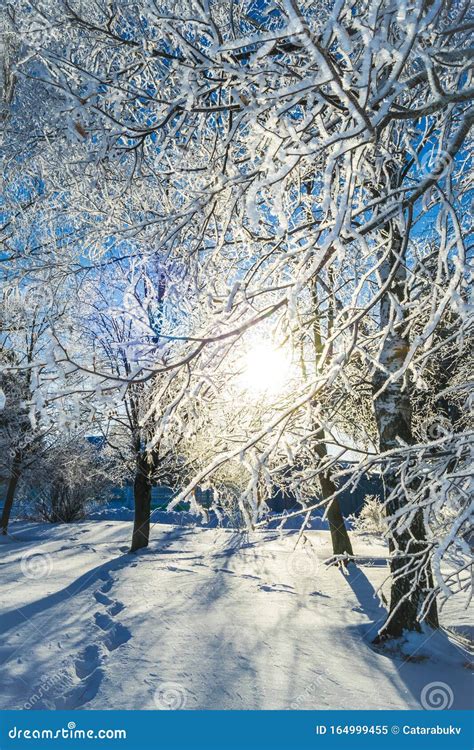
{"x": 203, "y": 619}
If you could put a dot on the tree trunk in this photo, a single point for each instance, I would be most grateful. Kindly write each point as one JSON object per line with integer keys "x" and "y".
{"x": 393, "y": 416}
{"x": 341, "y": 544}
{"x": 11, "y": 490}
{"x": 9, "y": 49}
{"x": 142, "y": 499}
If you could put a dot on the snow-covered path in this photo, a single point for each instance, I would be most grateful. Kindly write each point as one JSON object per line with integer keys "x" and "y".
{"x": 203, "y": 619}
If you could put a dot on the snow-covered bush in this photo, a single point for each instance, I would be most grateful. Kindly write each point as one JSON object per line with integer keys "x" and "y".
{"x": 74, "y": 477}
{"x": 64, "y": 503}
{"x": 371, "y": 519}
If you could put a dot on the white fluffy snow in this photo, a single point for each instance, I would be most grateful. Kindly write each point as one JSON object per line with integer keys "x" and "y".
{"x": 203, "y": 619}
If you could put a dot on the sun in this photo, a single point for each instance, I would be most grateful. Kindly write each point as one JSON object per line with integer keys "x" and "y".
{"x": 266, "y": 370}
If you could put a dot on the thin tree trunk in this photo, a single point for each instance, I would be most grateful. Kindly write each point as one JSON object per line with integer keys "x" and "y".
{"x": 142, "y": 499}
{"x": 146, "y": 464}
{"x": 393, "y": 416}
{"x": 11, "y": 491}
{"x": 9, "y": 48}
{"x": 341, "y": 543}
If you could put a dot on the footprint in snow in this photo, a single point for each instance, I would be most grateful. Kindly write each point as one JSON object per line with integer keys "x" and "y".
{"x": 173, "y": 569}
{"x": 278, "y": 589}
{"x": 89, "y": 673}
{"x": 105, "y": 588}
{"x": 117, "y": 636}
{"x": 115, "y": 608}
{"x": 116, "y": 633}
{"x": 102, "y": 598}
{"x": 88, "y": 660}
{"x": 82, "y": 693}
